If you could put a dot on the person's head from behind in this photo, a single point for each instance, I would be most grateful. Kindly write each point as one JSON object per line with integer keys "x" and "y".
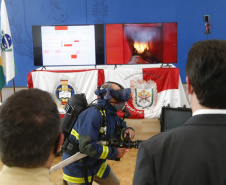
{"x": 206, "y": 73}
{"x": 29, "y": 129}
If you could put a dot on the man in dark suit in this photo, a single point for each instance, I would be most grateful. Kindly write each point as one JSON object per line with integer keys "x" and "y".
{"x": 195, "y": 153}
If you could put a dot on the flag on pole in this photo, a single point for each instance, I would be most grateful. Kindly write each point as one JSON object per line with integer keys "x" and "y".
{"x": 2, "y": 78}
{"x": 7, "y": 54}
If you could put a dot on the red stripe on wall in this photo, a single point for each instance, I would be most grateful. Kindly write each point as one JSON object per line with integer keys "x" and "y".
{"x": 76, "y": 40}
{"x": 67, "y": 45}
{"x": 61, "y": 28}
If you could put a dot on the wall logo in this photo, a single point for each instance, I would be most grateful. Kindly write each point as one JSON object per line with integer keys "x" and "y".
{"x": 63, "y": 93}
{"x": 6, "y": 42}
{"x": 144, "y": 94}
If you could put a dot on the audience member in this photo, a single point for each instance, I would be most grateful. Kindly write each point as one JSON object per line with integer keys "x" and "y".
{"x": 30, "y": 136}
{"x": 195, "y": 153}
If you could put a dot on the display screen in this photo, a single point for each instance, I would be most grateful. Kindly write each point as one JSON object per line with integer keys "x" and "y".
{"x": 141, "y": 43}
{"x": 68, "y": 45}
{"x": 174, "y": 117}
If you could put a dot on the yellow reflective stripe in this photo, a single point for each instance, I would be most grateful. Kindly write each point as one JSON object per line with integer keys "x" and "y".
{"x": 102, "y": 169}
{"x": 74, "y": 133}
{"x": 101, "y": 129}
{"x": 104, "y": 113}
{"x": 105, "y": 152}
{"x": 122, "y": 138}
{"x": 76, "y": 180}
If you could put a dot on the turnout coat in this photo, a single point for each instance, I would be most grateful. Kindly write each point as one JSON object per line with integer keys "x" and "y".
{"x": 86, "y": 132}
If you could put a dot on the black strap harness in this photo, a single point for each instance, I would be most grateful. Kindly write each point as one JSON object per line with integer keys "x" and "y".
{"x": 71, "y": 147}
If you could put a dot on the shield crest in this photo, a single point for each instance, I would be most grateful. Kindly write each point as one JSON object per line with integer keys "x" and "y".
{"x": 144, "y": 94}
{"x": 63, "y": 93}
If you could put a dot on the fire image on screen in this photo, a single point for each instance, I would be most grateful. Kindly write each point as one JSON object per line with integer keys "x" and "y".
{"x": 141, "y": 43}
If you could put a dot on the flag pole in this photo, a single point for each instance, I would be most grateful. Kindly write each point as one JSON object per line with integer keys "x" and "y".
{"x": 14, "y": 86}
{"x": 7, "y": 48}
{"x": 1, "y": 96}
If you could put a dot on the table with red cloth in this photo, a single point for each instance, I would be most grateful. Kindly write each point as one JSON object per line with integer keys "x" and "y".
{"x": 152, "y": 87}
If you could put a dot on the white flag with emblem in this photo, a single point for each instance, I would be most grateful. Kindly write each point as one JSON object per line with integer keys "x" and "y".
{"x": 151, "y": 89}
{"x": 8, "y": 62}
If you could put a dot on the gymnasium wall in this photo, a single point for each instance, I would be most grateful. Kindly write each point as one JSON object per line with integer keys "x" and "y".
{"x": 188, "y": 15}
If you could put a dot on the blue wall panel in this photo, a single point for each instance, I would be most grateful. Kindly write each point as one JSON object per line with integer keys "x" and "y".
{"x": 188, "y": 14}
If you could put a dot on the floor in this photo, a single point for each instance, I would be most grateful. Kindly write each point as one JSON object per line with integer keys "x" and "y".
{"x": 124, "y": 169}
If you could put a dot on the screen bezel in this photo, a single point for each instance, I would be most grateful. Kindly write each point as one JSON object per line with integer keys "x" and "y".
{"x": 166, "y": 123}
{"x": 99, "y": 44}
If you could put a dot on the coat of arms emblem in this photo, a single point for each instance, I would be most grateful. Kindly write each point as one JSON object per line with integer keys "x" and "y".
{"x": 63, "y": 93}
{"x": 144, "y": 94}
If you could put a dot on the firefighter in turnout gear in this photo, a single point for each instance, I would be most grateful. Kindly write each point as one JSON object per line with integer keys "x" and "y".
{"x": 95, "y": 124}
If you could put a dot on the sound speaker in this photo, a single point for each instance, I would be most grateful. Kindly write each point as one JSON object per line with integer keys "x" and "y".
{"x": 206, "y": 18}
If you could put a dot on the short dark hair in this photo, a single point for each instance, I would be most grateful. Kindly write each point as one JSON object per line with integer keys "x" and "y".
{"x": 29, "y": 128}
{"x": 206, "y": 70}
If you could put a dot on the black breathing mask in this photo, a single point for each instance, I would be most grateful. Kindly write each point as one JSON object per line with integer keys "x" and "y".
{"x": 119, "y": 106}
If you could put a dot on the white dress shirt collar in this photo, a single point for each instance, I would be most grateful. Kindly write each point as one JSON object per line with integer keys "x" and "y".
{"x": 209, "y": 111}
